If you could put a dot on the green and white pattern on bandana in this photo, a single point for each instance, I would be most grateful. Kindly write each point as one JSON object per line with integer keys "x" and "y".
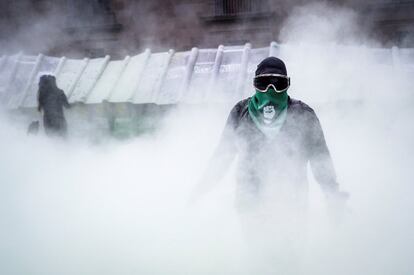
{"x": 268, "y": 111}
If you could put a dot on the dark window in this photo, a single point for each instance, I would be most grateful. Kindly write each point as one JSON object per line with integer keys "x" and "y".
{"x": 90, "y": 13}
{"x": 239, "y": 7}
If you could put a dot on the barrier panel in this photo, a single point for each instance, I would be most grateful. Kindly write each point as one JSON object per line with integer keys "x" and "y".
{"x": 201, "y": 75}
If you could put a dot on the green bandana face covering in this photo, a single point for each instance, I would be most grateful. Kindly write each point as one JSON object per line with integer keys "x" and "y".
{"x": 268, "y": 110}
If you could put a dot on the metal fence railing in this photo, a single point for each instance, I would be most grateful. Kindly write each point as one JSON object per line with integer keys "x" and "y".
{"x": 196, "y": 76}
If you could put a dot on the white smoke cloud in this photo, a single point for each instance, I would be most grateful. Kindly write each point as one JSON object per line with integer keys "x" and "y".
{"x": 121, "y": 207}
{"x": 320, "y": 22}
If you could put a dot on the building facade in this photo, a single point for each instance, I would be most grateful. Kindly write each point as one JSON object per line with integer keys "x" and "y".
{"x": 78, "y": 28}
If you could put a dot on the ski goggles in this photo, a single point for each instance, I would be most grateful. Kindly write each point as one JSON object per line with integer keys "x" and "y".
{"x": 279, "y": 82}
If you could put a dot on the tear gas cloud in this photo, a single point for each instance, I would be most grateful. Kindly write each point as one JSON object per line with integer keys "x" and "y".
{"x": 121, "y": 207}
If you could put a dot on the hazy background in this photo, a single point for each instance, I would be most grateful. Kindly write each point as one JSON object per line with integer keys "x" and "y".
{"x": 95, "y": 28}
{"x": 121, "y": 207}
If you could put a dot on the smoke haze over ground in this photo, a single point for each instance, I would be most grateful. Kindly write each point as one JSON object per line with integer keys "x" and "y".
{"x": 121, "y": 207}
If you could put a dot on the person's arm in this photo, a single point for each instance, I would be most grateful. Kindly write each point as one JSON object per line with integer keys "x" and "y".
{"x": 323, "y": 169}
{"x": 319, "y": 156}
{"x": 39, "y": 101}
{"x": 64, "y": 100}
{"x": 222, "y": 158}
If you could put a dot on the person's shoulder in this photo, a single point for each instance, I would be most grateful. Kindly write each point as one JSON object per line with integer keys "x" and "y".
{"x": 242, "y": 103}
{"x": 300, "y": 106}
{"x": 240, "y": 106}
{"x": 238, "y": 112}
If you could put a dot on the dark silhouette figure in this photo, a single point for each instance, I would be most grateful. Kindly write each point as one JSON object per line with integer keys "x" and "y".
{"x": 51, "y": 100}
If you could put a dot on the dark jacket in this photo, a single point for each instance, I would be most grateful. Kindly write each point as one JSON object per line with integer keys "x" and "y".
{"x": 51, "y": 100}
{"x": 275, "y": 163}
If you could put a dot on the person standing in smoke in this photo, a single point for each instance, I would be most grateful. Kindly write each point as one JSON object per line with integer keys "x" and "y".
{"x": 51, "y": 100}
{"x": 274, "y": 138}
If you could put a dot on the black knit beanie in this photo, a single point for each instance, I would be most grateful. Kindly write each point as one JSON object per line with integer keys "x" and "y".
{"x": 271, "y": 65}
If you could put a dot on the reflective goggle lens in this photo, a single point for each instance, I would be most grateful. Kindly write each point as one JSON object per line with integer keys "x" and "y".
{"x": 279, "y": 82}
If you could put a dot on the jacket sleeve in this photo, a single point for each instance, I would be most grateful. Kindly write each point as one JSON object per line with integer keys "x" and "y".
{"x": 39, "y": 100}
{"x": 64, "y": 99}
{"x": 223, "y": 156}
{"x": 319, "y": 156}
{"x": 226, "y": 149}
